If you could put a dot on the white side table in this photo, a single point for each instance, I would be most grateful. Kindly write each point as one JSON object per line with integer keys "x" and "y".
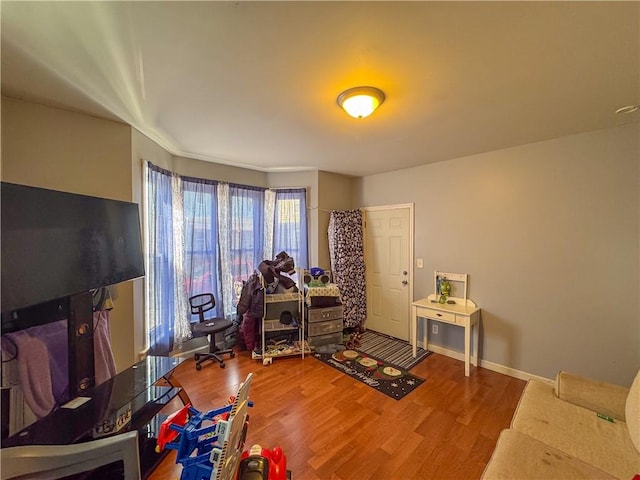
{"x": 464, "y": 313}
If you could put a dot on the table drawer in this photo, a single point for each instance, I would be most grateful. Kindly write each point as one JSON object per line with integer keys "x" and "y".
{"x": 329, "y": 326}
{"x": 437, "y": 315}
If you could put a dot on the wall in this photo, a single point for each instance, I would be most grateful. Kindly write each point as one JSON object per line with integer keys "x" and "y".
{"x": 215, "y": 171}
{"x": 549, "y": 233}
{"x": 57, "y": 149}
{"x": 334, "y": 193}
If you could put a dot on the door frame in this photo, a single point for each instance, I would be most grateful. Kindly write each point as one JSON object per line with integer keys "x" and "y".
{"x": 411, "y": 208}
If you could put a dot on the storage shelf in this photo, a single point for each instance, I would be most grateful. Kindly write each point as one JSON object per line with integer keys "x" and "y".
{"x": 282, "y": 297}
{"x": 272, "y": 326}
{"x": 287, "y": 350}
{"x": 275, "y": 305}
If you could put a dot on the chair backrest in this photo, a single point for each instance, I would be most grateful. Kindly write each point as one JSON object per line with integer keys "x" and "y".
{"x": 57, "y": 461}
{"x": 202, "y": 303}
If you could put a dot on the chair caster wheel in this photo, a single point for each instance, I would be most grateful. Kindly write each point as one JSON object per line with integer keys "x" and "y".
{"x": 232, "y": 354}
{"x": 198, "y": 367}
{"x": 221, "y": 364}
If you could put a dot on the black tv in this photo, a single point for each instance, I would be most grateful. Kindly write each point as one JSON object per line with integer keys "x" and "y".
{"x": 57, "y": 244}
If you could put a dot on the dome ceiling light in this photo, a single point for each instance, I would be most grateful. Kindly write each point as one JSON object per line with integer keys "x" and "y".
{"x": 360, "y": 102}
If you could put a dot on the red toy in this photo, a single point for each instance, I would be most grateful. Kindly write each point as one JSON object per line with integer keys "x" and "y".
{"x": 166, "y": 434}
{"x": 261, "y": 463}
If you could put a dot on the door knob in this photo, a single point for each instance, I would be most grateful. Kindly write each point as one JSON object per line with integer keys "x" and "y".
{"x": 404, "y": 282}
{"x": 404, "y": 272}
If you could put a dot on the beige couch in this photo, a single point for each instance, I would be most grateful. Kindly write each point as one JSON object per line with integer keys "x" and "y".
{"x": 559, "y": 433}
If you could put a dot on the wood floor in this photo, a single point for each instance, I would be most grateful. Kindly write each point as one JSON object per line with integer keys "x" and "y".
{"x": 333, "y": 427}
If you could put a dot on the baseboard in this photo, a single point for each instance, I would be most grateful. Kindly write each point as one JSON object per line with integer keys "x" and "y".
{"x": 142, "y": 354}
{"x": 495, "y": 367}
{"x": 189, "y": 353}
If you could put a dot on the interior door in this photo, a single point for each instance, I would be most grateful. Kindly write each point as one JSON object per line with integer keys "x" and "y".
{"x": 388, "y": 252}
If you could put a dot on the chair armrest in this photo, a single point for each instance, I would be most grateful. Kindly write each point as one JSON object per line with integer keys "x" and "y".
{"x": 601, "y": 397}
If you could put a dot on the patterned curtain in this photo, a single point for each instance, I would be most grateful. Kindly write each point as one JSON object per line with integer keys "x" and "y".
{"x": 346, "y": 250}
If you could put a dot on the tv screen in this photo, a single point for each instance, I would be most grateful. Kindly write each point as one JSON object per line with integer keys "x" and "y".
{"x": 56, "y": 244}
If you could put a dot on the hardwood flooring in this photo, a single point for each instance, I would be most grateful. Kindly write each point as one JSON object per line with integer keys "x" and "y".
{"x": 332, "y": 427}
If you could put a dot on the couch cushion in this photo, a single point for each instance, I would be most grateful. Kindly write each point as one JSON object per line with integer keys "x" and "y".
{"x": 576, "y": 431}
{"x": 519, "y": 456}
{"x": 632, "y": 412}
{"x": 601, "y": 397}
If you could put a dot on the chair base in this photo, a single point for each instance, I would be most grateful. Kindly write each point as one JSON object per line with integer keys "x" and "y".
{"x": 203, "y": 357}
{"x": 211, "y": 328}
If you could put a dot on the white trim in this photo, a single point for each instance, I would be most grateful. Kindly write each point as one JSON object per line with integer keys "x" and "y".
{"x": 142, "y": 354}
{"x": 146, "y": 300}
{"x": 389, "y": 207}
{"x": 495, "y": 367}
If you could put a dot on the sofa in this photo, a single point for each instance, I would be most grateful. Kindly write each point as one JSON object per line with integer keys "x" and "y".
{"x": 576, "y": 429}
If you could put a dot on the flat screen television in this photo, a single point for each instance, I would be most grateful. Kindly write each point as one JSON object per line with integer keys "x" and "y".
{"x": 56, "y": 244}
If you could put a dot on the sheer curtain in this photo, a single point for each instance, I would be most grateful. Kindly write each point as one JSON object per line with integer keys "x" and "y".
{"x": 166, "y": 316}
{"x": 290, "y": 225}
{"x": 201, "y": 258}
{"x": 246, "y": 238}
{"x": 204, "y": 236}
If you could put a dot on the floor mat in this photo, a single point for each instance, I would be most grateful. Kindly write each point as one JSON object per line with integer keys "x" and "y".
{"x": 391, "y": 350}
{"x": 380, "y": 375}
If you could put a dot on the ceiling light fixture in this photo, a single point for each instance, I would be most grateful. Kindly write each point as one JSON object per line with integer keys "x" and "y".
{"x": 360, "y": 102}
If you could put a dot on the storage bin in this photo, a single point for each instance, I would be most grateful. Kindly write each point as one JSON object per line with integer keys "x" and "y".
{"x": 318, "y": 340}
{"x": 324, "y": 301}
{"x": 322, "y": 328}
{"x": 322, "y": 314}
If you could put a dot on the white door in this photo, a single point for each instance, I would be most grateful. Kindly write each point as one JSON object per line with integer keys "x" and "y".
{"x": 388, "y": 266}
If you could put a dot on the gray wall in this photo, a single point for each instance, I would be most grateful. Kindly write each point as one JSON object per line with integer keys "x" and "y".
{"x": 549, "y": 233}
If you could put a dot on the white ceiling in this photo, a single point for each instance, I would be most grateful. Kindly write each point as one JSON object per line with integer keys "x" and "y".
{"x": 254, "y": 84}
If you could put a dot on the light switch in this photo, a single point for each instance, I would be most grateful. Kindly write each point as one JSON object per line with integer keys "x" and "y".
{"x": 419, "y": 263}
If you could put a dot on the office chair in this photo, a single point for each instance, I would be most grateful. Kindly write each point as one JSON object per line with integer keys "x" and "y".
{"x": 48, "y": 462}
{"x": 199, "y": 305}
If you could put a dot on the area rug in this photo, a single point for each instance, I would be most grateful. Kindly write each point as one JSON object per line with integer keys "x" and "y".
{"x": 391, "y": 350}
{"x": 386, "y": 378}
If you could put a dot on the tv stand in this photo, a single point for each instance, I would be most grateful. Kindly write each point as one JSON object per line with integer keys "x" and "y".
{"x": 129, "y": 401}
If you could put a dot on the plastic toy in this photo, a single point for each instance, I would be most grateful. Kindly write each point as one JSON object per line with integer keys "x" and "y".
{"x": 166, "y": 433}
{"x": 260, "y": 464}
{"x": 209, "y": 444}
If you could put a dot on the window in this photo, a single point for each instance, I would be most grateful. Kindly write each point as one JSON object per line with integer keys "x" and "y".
{"x": 208, "y": 236}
